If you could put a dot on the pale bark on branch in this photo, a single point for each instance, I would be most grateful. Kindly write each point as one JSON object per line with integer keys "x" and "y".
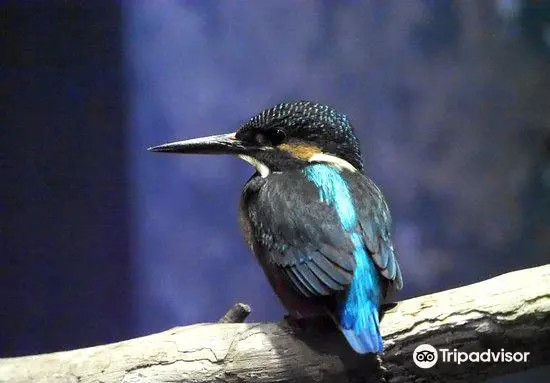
{"x": 510, "y": 312}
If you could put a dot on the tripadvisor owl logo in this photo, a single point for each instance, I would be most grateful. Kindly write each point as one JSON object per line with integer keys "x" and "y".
{"x": 426, "y": 356}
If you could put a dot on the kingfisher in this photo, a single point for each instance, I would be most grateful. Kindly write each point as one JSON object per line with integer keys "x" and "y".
{"x": 319, "y": 227}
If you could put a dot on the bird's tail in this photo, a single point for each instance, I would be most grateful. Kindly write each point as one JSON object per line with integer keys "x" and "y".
{"x": 364, "y": 334}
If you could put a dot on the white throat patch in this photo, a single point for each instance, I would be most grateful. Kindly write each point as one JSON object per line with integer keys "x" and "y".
{"x": 260, "y": 166}
{"x": 332, "y": 160}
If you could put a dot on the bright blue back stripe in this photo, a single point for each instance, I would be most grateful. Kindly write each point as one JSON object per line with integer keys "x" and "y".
{"x": 334, "y": 191}
{"x": 364, "y": 291}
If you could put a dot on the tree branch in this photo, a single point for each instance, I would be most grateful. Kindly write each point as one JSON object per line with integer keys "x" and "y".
{"x": 511, "y": 311}
{"x": 236, "y": 314}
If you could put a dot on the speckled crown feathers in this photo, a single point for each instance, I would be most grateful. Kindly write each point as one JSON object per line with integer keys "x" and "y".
{"x": 313, "y": 122}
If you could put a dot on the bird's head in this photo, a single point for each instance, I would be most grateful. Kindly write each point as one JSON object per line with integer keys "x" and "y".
{"x": 288, "y": 136}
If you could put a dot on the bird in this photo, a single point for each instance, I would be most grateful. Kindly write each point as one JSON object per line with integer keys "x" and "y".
{"x": 317, "y": 224}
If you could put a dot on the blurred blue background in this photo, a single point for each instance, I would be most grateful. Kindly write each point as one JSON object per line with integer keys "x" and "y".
{"x": 105, "y": 241}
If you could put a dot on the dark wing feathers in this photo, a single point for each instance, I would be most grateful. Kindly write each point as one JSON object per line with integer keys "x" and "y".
{"x": 331, "y": 252}
{"x": 297, "y": 282}
{"x": 308, "y": 242}
{"x": 313, "y": 280}
{"x": 337, "y": 273}
{"x": 375, "y": 221}
{"x": 329, "y": 278}
{"x": 302, "y": 235}
{"x": 398, "y": 280}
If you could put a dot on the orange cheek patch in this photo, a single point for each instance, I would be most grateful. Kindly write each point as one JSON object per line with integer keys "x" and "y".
{"x": 301, "y": 151}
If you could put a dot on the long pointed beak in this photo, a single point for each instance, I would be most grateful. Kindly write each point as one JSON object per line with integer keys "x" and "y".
{"x": 218, "y": 144}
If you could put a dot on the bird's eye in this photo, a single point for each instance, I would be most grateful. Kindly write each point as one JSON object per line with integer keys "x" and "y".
{"x": 272, "y": 137}
{"x": 277, "y": 137}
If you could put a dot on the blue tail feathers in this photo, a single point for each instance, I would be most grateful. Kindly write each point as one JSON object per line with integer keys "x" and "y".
{"x": 364, "y": 335}
{"x": 359, "y": 316}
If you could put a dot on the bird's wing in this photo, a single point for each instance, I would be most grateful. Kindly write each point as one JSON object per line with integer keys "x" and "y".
{"x": 375, "y": 222}
{"x": 305, "y": 238}
{"x": 302, "y": 235}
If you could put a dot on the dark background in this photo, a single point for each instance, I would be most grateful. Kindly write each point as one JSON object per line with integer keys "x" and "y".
{"x": 103, "y": 241}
